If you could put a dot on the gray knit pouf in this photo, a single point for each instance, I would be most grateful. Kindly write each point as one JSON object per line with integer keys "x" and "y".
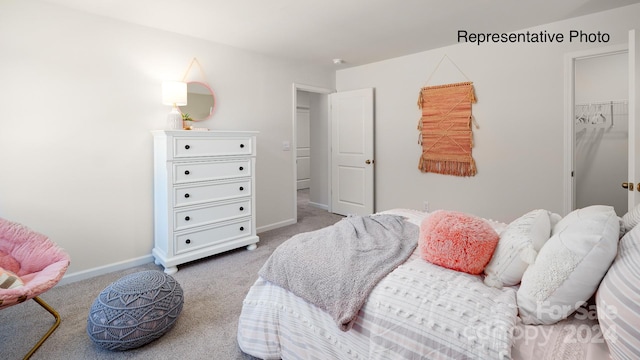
{"x": 135, "y": 310}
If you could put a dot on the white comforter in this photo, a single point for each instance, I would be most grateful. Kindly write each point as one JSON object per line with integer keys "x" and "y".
{"x": 418, "y": 311}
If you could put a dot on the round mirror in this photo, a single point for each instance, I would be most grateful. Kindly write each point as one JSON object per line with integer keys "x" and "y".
{"x": 200, "y": 101}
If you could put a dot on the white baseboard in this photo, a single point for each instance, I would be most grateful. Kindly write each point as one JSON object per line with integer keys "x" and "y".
{"x": 275, "y": 225}
{"x": 319, "y": 206}
{"x": 101, "y": 270}
{"x": 126, "y": 264}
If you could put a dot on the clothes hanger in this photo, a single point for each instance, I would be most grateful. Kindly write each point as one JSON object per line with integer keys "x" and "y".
{"x": 598, "y": 118}
{"x": 582, "y": 118}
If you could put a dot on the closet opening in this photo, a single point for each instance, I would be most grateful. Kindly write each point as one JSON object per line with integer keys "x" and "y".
{"x": 598, "y": 126}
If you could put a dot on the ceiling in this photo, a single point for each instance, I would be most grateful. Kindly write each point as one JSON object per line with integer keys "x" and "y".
{"x": 358, "y": 31}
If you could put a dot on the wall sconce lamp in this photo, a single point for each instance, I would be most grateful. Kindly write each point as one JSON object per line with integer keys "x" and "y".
{"x": 174, "y": 93}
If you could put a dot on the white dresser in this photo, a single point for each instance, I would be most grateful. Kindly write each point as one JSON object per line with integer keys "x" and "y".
{"x": 204, "y": 194}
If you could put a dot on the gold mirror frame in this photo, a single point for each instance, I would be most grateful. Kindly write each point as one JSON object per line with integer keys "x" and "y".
{"x": 201, "y": 101}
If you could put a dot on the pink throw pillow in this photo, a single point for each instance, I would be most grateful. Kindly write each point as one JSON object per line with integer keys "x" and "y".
{"x": 457, "y": 241}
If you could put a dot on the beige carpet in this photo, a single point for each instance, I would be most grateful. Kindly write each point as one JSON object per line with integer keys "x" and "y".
{"x": 206, "y": 329}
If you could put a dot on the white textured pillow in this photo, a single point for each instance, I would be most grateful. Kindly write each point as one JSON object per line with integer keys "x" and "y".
{"x": 618, "y": 300}
{"x": 631, "y": 219}
{"x": 555, "y": 218}
{"x": 518, "y": 247}
{"x": 581, "y": 214}
{"x": 570, "y": 266}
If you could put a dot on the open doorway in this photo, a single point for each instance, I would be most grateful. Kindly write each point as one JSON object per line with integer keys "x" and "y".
{"x": 310, "y": 149}
{"x": 598, "y": 128}
{"x": 601, "y": 130}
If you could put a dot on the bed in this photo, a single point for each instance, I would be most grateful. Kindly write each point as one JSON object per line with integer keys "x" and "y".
{"x": 424, "y": 310}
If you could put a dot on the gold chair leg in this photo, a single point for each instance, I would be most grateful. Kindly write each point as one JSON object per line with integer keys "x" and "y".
{"x": 51, "y": 329}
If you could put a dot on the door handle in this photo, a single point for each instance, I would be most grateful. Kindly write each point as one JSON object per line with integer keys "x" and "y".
{"x": 368, "y": 162}
{"x": 628, "y": 185}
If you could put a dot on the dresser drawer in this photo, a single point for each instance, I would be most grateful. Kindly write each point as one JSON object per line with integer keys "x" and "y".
{"x": 203, "y": 215}
{"x": 210, "y": 170}
{"x": 190, "y": 241}
{"x": 191, "y": 195}
{"x": 185, "y": 147}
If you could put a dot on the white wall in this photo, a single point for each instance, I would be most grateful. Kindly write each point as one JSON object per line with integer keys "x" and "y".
{"x": 79, "y": 97}
{"x": 520, "y": 111}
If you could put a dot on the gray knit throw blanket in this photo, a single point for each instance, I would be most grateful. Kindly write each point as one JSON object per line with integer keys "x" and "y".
{"x": 335, "y": 268}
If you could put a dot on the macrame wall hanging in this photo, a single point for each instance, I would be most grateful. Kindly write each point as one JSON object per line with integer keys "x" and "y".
{"x": 445, "y": 129}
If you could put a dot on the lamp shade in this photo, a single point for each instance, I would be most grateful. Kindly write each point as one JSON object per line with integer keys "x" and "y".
{"x": 174, "y": 93}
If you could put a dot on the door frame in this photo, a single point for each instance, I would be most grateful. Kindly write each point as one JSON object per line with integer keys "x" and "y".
{"x": 294, "y": 142}
{"x": 569, "y": 123}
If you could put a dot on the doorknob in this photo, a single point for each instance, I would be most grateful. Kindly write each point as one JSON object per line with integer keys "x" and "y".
{"x": 628, "y": 185}
{"x": 368, "y": 161}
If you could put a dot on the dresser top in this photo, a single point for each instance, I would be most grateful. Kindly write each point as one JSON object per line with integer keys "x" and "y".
{"x": 196, "y": 133}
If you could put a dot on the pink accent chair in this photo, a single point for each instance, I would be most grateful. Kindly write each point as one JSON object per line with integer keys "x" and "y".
{"x": 39, "y": 264}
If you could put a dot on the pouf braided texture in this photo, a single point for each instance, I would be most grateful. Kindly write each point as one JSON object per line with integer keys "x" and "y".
{"x": 135, "y": 310}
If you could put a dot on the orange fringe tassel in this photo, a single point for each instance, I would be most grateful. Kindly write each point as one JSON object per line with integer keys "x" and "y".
{"x": 447, "y": 167}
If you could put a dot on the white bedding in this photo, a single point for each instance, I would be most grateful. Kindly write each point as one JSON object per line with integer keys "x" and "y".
{"x": 457, "y": 318}
{"x": 575, "y": 338}
{"x": 419, "y": 311}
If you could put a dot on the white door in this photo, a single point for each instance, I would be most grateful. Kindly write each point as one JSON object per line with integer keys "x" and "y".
{"x": 634, "y": 118}
{"x": 352, "y": 175}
